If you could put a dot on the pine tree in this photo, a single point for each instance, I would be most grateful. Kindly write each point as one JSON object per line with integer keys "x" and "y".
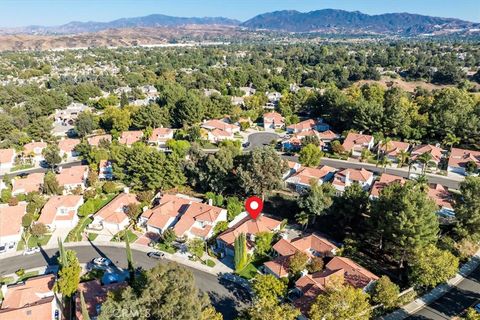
{"x": 85, "y": 314}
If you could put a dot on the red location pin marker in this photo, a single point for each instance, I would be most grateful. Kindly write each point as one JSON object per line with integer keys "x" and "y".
{"x": 254, "y": 206}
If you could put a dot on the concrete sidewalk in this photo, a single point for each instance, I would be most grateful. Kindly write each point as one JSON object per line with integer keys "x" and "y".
{"x": 436, "y": 293}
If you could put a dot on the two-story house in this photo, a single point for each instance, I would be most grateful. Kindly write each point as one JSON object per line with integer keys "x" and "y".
{"x": 305, "y": 176}
{"x": 273, "y": 121}
{"x": 61, "y": 211}
{"x": 355, "y": 143}
{"x": 347, "y": 177}
{"x": 73, "y": 178}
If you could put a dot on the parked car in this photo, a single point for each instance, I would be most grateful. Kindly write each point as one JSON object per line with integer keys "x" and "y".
{"x": 57, "y": 315}
{"x": 246, "y": 144}
{"x": 156, "y": 255}
{"x": 29, "y": 251}
{"x": 102, "y": 262}
{"x": 3, "y": 248}
{"x": 477, "y": 308}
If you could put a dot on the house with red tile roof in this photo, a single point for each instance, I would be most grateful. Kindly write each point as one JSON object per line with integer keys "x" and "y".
{"x": 130, "y": 137}
{"x": 67, "y": 148}
{"x": 61, "y": 211}
{"x": 392, "y": 149}
{"x": 273, "y": 121}
{"x": 355, "y": 143}
{"x": 7, "y": 159}
{"x": 347, "y": 177}
{"x": 113, "y": 216}
{"x": 310, "y": 286}
{"x": 105, "y": 170}
{"x": 11, "y": 223}
{"x": 199, "y": 220}
{"x": 160, "y": 136}
{"x": 165, "y": 214}
{"x": 294, "y": 142}
{"x": 457, "y": 162}
{"x": 219, "y": 130}
{"x": 95, "y": 140}
{"x": 94, "y": 295}
{"x": 312, "y": 245}
{"x": 302, "y": 179}
{"x": 32, "y": 299}
{"x": 436, "y": 152}
{"x": 328, "y": 136}
{"x": 443, "y": 199}
{"x": 73, "y": 178}
{"x": 385, "y": 180}
{"x": 31, "y": 183}
{"x": 33, "y": 150}
{"x": 250, "y": 227}
{"x": 308, "y": 125}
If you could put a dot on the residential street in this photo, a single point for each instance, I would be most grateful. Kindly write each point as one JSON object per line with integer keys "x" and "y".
{"x": 41, "y": 169}
{"x": 225, "y": 295}
{"x": 454, "y": 302}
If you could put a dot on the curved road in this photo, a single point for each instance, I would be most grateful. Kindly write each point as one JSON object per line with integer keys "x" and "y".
{"x": 226, "y": 296}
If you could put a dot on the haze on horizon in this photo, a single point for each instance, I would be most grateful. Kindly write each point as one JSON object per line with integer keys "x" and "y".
{"x": 16, "y": 13}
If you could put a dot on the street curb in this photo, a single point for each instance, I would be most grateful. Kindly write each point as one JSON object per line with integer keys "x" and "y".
{"x": 437, "y": 292}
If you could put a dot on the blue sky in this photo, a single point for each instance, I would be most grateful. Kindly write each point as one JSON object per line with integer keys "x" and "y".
{"x": 55, "y": 12}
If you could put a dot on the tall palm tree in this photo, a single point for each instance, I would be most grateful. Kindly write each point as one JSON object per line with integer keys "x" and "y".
{"x": 384, "y": 162}
{"x": 402, "y": 157}
{"x": 383, "y": 146}
{"x": 425, "y": 159}
{"x": 451, "y": 140}
{"x": 302, "y": 218}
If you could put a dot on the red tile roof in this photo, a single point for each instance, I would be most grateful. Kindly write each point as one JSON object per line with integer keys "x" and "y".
{"x": 356, "y": 141}
{"x": 393, "y": 148}
{"x": 436, "y": 152}
{"x": 7, "y": 155}
{"x": 303, "y": 125}
{"x": 94, "y": 293}
{"x": 30, "y": 183}
{"x": 170, "y": 206}
{"x": 11, "y": 219}
{"x": 95, "y": 140}
{"x": 273, "y": 117}
{"x": 130, "y": 137}
{"x": 196, "y": 212}
{"x": 30, "y": 147}
{"x": 442, "y": 197}
{"x": 385, "y": 180}
{"x": 67, "y": 145}
{"x": 305, "y": 174}
{"x": 460, "y": 157}
{"x": 73, "y": 175}
{"x": 160, "y": 134}
{"x": 114, "y": 211}
{"x": 51, "y": 208}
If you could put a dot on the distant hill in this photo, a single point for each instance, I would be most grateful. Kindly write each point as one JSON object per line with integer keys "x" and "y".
{"x": 154, "y": 20}
{"x": 340, "y": 21}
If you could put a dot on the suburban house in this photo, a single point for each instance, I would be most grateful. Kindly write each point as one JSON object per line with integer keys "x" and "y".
{"x": 130, "y": 137}
{"x": 355, "y": 143}
{"x": 392, "y": 149}
{"x": 61, "y": 211}
{"x": 460, "y": 157}
{"x": 219, "y": 130}
{"x": 328, "y": 136}
{"x": 32, "y": 299}
{"x": 311, "y": 285}
{"x": 68, "y": 115}
{"x": 302, "y": 179}
{"x": 95, "y": 140}
{"x": 385, "y": 180}
{"x": 293, "y": 167}
{"x": 274, "y": 97}
{"x": 113, "y": 216}
{"x": 443, "y": 199}
{"x": 31, "y": 183}
{"x": 165, "y": 214}
{"x": 294, "y": 143}
{"x": 199, "y": 220}
{"x": 250, "y": 227}
{"x": 347, "y": 177}
{"x": 436, "y": 152}
{"x": 11, "y": 223}
{"x": 105, "y": 170}
{"x": 67, "y": 148}
{"x": 248, "y": 91}
{"x": 33, "y": 151}
{"x": 160, "y": 136}
{"x": 7, "y": 159}
{"x": 273, "y": 121}
{"x": 312, "y": 245}
{"x": 94, "y": 295}
{"x": 307, "y": 125}
{"x": 73, "y": 178}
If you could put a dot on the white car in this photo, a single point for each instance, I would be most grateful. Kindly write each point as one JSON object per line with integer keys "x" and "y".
{"x": 102, "y": 262}
{"x": 29, "y": 251}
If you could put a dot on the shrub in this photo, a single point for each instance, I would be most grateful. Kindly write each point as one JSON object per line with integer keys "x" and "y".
{"x": 20, "y": 272}
{"x": 86, "y": 209}
{"x": 5, "y": 195}
{"x": 315, "y": 265}
{"x": 145, "y": 196}
{"x": 109, "y": 187}
{"x": 89, "y": 194}
{"x": 13, "y": 201}
{"x": 210, "y": 263}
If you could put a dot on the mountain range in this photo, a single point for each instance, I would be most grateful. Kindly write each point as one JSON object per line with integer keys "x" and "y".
{"x": 326, "y": 21}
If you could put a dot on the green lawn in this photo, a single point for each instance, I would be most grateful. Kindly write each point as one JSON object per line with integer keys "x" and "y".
{"x": 34, "y": 242}
{"x": 21, "y": 167}
{"x": 162, "y": 247}
{"x": 6, "y": 280}
{"x": 27, "y": 275}
{"x": 249, "y": 272}
{"x": 92, "y": 236}
{"x": 210, "y": 263}
{"x": 132, "y": 237}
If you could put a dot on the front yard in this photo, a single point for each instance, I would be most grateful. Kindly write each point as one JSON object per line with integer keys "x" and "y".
{"x": 34, "y": 242}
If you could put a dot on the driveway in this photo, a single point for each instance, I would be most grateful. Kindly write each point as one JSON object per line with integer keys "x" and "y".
{"x": 260, "y": 139}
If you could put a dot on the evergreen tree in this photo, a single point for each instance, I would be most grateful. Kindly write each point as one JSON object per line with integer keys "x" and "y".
{"x": 467, "y": 207}
{"x": 240, "y": 248}
{"x": 85, "y": 314}
{"x": 317, "y": 200}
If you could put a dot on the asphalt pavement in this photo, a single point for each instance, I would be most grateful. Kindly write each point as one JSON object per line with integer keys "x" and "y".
{"x": 466, "y": 294}
{"x": 40, "y": 169}
{"x": 226, "y": 296}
